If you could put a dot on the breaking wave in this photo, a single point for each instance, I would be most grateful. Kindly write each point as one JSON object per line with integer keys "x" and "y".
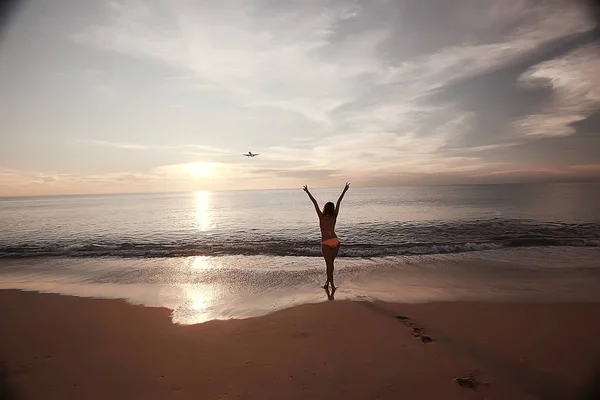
{"x": 359, "y": 240}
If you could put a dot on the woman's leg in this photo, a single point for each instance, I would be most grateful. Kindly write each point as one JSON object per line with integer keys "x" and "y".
{"x": 328, "y": 255}
{"x": 334, "y": 253}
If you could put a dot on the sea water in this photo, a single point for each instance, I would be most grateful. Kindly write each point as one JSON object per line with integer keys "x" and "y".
{"x": 236, "y": 254}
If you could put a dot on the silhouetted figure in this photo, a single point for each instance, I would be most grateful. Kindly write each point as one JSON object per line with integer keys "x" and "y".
{"x": 330, "y": 244}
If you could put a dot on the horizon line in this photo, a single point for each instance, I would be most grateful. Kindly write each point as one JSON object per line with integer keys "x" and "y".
{"x": 541, "y": 182}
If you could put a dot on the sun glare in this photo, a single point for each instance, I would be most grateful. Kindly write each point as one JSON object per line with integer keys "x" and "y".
{"x": 202, "y": 262}
{"x": 197, "y": 301}
{"x": 203, "y": 210}
{"x": 200, "y": 170}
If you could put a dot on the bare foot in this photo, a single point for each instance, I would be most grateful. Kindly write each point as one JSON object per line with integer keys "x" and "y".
{"x": 326, "y": 285}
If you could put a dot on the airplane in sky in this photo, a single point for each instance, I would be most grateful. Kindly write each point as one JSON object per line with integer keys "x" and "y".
{"x": 251, "y": 154}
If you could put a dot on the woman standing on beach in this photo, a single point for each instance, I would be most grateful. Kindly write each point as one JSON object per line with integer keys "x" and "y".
{"x": 330, "y": 244}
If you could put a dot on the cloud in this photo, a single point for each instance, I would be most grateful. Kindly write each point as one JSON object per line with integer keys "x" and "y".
{"x": 517, "y": 89}
{"x": 389, "y": 90}
{"x": 477, "y": 149}
{"x": 575, "y": 94}
{"x": 119, "y": 145}
{"x": 239, "y": 51}
{"x": 315, "y": 176}
{"x": 314, "y": 59}
{"x": 186, "y": 149}
{"x": 588, "y": 126}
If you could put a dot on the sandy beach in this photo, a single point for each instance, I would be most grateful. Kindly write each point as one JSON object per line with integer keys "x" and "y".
{"x": 62, "y": 347}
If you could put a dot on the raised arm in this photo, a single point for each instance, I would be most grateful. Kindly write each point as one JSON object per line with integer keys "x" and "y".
{"x": 313, "y": 200}
{"x": 339, "y": 202}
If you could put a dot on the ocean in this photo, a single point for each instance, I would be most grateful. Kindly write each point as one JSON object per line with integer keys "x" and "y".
{"x": 235, "y": 254}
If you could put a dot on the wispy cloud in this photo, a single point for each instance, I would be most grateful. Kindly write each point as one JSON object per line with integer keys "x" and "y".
{"x": 191, "y": 149}
{"x": 330, "y": 63}
{"x": 119, "y": 145}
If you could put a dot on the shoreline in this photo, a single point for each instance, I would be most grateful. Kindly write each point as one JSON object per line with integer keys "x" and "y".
{"x": 62, "y": 347}
{"x": 198, "y": 289}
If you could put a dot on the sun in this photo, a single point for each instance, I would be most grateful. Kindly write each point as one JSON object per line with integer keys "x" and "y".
{"x": 200, "y": 169}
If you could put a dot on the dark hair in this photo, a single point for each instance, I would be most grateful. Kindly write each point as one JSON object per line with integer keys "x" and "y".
{"x": 329, "y": 209}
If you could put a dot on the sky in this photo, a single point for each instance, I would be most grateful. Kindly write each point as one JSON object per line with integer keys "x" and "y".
{"x": 164, "y": 95}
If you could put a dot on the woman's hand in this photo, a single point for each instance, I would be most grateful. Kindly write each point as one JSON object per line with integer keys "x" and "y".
{"x": 305, "y": 188}
{"x": 347, "y": 186}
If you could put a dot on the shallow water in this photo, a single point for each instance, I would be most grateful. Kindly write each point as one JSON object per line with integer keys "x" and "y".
{"x": 202, "y": 288}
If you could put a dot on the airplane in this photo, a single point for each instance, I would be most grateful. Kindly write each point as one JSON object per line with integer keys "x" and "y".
{"x": 251, "y": 154}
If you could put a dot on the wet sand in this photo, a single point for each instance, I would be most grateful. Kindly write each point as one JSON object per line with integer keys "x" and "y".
{"x": 62, "y": 347}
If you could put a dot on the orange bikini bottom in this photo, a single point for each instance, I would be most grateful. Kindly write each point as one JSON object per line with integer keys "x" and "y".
{"x": 333, "y": 242}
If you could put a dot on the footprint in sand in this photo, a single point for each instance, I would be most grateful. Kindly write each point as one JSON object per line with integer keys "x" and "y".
{"x": 470, "y": 381}
{"x": 417, "y": 331}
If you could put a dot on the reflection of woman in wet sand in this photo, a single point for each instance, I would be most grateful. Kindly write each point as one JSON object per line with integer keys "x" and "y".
{"x": 330, "y": 244}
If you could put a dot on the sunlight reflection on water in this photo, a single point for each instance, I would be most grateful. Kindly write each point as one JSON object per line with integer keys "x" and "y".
{"x": 199, "y": 289}
{"x": 203, "y": 220}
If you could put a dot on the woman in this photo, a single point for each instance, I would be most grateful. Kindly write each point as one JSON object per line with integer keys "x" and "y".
{"x": 330, "y": 244}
